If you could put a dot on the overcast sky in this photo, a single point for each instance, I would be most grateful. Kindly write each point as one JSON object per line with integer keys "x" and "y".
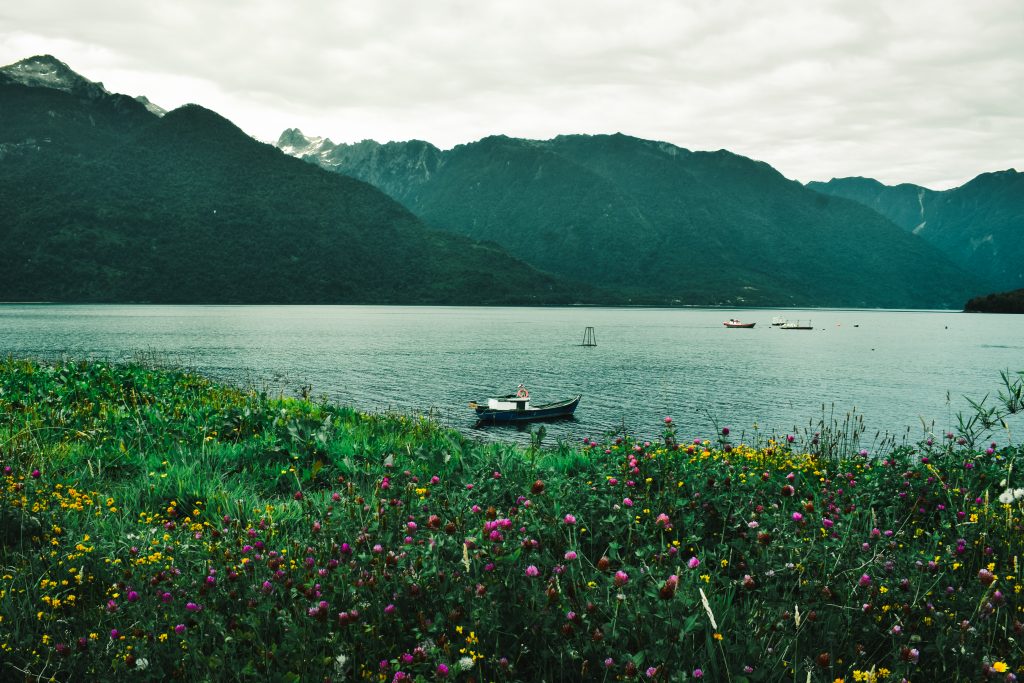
{"x": 922, "y": 91}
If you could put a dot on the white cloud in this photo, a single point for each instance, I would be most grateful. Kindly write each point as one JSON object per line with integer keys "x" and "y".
{"x": 917, "y": 91}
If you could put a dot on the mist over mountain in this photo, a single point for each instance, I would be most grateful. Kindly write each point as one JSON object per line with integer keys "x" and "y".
{"x": 979, "y": 225}
{"x": 104, "y": 200}
{"x": 655, "y": 221}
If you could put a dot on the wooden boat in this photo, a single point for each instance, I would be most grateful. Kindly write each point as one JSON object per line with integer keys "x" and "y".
{"x": 517, "y": 408}
{"x": 736, "y": 323}
{"x": 797, "y": 325}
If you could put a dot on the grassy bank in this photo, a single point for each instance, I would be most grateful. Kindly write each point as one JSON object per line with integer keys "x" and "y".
{"x": 157, "y": 526}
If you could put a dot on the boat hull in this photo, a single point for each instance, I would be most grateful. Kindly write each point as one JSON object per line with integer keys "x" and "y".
{"x": 549, "y": 411}
{"x": 740, "y": 325}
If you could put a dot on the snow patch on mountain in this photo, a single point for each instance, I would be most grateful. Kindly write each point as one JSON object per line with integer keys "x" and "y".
{"x": 150, "y": 107}
{"x": 46, "y": 71}
{"x": 293, "y": 143}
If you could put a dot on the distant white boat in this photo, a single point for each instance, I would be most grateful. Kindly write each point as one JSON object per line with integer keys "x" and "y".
{"x": 796, "y": 325}
{"x": 778, "y": 321}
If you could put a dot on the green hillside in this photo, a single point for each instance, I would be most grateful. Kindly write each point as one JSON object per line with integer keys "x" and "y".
{"x": 979, "y": 225}
{"x": 104, "y": 201}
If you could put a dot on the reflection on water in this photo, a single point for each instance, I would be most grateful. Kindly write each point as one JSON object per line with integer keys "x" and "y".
{"x": 895, "y": 367}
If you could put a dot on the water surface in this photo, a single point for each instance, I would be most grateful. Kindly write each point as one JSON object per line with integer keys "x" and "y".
{"x": 896, "y": 368}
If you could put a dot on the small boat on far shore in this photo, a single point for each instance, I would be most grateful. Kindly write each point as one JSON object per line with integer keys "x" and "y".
{"x": 736, "y": 323}
{"x": 517, "y": 408}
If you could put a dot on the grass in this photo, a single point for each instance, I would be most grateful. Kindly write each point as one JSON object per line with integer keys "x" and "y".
{"x": 155, "y": 525}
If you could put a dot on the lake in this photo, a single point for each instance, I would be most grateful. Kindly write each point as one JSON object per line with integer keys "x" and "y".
{"x": 895, "y": 368}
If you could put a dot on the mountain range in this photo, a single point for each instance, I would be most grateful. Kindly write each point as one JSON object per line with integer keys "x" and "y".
{"x": 103, "y": 199}
{"x": 106, "y": 197}
{"x": 657, "y": 222}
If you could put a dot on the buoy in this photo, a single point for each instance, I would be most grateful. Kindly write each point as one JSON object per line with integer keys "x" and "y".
{"x": 588, "y": 337}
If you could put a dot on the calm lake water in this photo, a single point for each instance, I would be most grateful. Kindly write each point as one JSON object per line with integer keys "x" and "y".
{"x": 894, "y": 367}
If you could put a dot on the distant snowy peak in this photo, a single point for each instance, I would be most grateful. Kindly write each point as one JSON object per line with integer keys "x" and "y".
{"x": 410, "y": 161}
{"x": 294, "y": 143}
{"x": 46, "y": 71}
{"x": 152, "y": 108}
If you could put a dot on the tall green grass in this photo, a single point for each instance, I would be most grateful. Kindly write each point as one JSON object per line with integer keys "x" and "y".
{"x": 155, "y": 525}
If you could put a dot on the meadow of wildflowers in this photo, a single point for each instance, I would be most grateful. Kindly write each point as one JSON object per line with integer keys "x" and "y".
{"x": 157, "y": 526}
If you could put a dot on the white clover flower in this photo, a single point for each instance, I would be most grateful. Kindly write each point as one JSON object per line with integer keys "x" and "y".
{"x": 466, "y": 663}
{"x": 141, "y": 663}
